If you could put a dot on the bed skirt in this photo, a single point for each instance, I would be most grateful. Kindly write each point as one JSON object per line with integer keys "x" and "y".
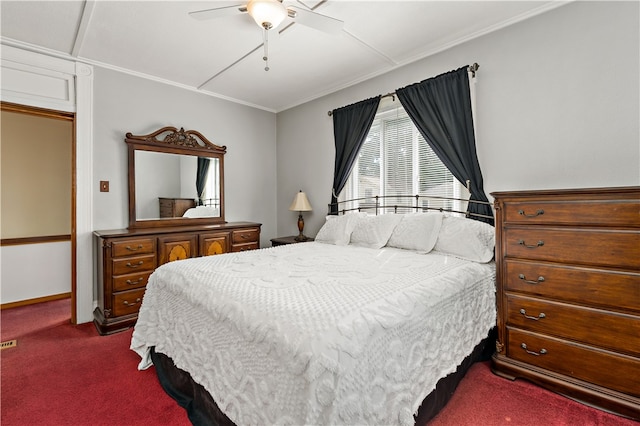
{"x": 202, "y": 410}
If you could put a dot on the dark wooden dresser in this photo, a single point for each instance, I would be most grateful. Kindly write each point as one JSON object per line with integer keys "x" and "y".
{"x": 568, "y": 293}
{"x": 175, "y": 207}
{"x": 126, "y": 258}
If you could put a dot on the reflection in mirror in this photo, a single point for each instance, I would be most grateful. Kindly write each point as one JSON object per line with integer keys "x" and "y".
{"x": 176, "y": 178}
{"x": 167, "y": 186}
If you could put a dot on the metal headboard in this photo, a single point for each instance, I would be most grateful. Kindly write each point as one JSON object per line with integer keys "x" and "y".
{"x": 211, "y": 202}
{"x": 403, "y": 204}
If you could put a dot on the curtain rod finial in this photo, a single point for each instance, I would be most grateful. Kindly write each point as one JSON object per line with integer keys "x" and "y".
{"x": 473, "y": 68}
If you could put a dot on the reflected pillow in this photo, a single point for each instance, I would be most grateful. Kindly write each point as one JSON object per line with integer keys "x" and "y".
{"x": 417, "y": 231}
{"x": 337, "y": 229}
{"x": 202, "y": 211}
{"x": 374, "y": 231}
{"x": 467, "y": 239}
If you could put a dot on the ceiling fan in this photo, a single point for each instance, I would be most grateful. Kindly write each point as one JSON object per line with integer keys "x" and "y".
{"x": 269, "y": 14}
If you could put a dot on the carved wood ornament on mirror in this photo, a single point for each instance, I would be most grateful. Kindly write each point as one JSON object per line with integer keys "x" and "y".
{"x": 162, "y": 168}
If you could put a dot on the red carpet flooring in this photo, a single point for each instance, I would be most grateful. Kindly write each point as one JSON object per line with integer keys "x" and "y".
{"x": 61, "y": 374}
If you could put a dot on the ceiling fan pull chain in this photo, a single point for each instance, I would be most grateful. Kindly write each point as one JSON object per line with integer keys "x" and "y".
{"x": 265, "y": 58}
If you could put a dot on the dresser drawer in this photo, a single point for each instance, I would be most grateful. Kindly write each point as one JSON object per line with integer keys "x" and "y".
{"x": 619, "y": 290}
{"x": 250, "y": 235}
{"x": 131, "y": 281}
{"x": 127, "y": 302}
{"x": 132, "y": 247}
{"x": 607, "y": 369}
{"x": 177, "y": 247}
{"x": 245, "y": 247}
{"x": 129, "y": 265}
{"x": 213, "y": 243}
{"x": 605, "y": 329}
{"x": 601, "y": 247}
{"x": 618, "y": 212}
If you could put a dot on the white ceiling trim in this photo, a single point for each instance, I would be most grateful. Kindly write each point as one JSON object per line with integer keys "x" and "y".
{"x": 85, "y": 20}
{"x": 88, "y": 10}
{"x": 227, "y": 68}
{"x": 372, "y": 49}
{"x": 175, "y": 84}
{"x": 524, "y": 16}
{"x": 54, "y": 53}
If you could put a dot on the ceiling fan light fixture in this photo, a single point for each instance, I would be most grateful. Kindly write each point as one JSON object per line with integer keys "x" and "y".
{"x": 268, "y": 14}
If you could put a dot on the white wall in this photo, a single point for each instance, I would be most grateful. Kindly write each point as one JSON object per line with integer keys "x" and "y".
{"x": 557, "y": 107}
{"x": 125, "y": 103}
{"x": 39, "y": 80}
{"x": 22, "y": 281}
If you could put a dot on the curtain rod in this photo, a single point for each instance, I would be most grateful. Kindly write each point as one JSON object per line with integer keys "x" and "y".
{"x": 472, "y": 69}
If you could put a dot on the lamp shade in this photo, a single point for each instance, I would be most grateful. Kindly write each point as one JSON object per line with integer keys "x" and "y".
{"x": 300, "y": 203}
{"x": 267, "y": 13}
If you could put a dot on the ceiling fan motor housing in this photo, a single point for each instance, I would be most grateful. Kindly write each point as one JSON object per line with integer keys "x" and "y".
{"x": 268, "y": 14}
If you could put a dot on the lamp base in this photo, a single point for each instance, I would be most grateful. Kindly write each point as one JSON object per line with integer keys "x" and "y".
{"x": 301, "y": 236}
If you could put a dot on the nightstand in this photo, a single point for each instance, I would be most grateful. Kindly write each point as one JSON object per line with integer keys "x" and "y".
{"x": 280, "y": 241}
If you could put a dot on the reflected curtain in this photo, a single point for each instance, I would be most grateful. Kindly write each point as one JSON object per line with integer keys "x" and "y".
{"x": 201, "y": 177}
{"x": 440, "y": 107}
{"x": 351, "y": 125}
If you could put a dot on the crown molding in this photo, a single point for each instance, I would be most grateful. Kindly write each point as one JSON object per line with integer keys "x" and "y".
{"x": 548, "y": 6}
{"x": 554, "y": 4}
{"x": 61, "y": 55}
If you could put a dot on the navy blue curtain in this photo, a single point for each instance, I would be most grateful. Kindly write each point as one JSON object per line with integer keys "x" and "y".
{"x": 201, "y": 177}
{"x": 351, "y": 125}
{"x": 440, "y": 107}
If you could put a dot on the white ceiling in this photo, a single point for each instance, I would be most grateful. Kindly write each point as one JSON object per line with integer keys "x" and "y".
{"x": 223, "y": 57}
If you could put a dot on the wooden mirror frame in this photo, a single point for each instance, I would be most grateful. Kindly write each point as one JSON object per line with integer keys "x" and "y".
{"x": 180, "y": 142}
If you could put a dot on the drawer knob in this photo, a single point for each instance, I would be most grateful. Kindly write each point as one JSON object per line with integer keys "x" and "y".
{"x": 524, "y": 244}
{"x": 134, "y": 249}
{"x": 540, "y": 315}
{"x": 542, "y": 351}
{"x": 538, "y": 212}
{"x": 132, "y": 304}
{"x": 524, "y": 278}
{"x": 139, "y": 280}
{"x": 130, "y": 265}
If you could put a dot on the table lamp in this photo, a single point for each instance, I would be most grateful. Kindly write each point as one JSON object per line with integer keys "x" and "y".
{"x": 300, "y": 204}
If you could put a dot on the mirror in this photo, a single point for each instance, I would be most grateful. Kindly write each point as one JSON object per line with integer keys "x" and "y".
{"x": 175, "y": 180}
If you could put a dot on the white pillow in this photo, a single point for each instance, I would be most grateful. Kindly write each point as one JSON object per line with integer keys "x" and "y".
{"x": 374, "y": 231}
{"x": 202, "y": 211}
{"x": 467, "y": 239}
{"x": 337, "y": 229}
{"x": 417, "y": 231}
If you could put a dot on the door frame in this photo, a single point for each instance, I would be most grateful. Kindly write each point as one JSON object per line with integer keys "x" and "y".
{"x": 41, "y": 79}
{"x": 65, "y": 116}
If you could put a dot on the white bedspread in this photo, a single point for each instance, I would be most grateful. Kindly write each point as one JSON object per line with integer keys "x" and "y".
{"x": 315, "y": 333}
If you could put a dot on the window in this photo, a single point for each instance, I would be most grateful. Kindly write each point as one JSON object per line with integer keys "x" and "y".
{"x": 396, "y": 160}
{"x": 211, "y": 195}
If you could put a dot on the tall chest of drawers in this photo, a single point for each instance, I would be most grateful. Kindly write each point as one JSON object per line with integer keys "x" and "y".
{"x": 568, "y": 293}
{"x": 126, "y": 259}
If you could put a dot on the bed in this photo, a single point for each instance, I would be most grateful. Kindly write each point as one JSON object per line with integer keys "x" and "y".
{"x": 375, "y": 322}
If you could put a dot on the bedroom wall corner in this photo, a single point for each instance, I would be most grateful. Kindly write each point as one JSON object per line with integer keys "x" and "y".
{"x": 128, "y": 103}
{"x": 558, "y": 101}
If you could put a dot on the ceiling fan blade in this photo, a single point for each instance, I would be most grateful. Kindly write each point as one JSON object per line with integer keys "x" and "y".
{"x": 219, "y": 12}
{"x": 317, "y": 21}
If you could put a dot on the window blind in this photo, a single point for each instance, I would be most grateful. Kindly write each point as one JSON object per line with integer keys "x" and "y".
{"x": 396, "y": 160}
